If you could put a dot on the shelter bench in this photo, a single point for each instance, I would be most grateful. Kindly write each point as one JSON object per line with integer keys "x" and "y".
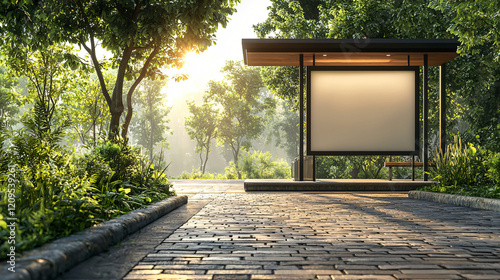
{"x": 406, "y": 164}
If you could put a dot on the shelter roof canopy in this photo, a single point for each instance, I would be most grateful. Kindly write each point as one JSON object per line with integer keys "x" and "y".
{"x": 348, "y": 52}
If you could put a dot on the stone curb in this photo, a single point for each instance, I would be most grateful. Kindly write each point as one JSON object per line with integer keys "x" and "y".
{"x": 459, "y": 200}
{"x": 52, "y": 259}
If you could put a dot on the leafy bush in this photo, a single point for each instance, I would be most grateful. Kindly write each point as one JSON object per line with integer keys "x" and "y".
{"x": 58, "y": 194}
{"x": 124, "y": 165}
{"x": 347, "y": 167}
{"x": 50, "y": 201}
{"x": 338, "y": 167}
{"x": 197, "y": 174}
{"x": 258, "y": 165}
{"x": 493, "y": 164}
{"x": 466, "y": 170}
{"x": 460, "y": 165}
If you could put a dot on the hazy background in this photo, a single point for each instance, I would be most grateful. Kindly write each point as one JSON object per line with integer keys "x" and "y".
{"x": 202, "y": 68}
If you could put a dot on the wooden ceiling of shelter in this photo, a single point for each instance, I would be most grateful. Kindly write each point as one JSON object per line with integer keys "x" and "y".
{"x": 332, "y": 52}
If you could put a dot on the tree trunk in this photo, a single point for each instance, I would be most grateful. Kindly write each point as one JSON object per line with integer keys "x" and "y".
{"x": 116, "y": 107}
{"x": 152, "y": 131}
{"x": 201, "y": 163}
{"x": 355, "y": 172}
{"x": 151, "y": 146}
{"x": 114, "y": 123}
{"x": 206, "y": 159}
{"x": 130, "y": 110}
{"x": 235, "y": 156}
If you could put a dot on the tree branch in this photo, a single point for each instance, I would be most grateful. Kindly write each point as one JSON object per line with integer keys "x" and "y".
{"x": 93, "y": 56}
{"x": 144, "y": 70}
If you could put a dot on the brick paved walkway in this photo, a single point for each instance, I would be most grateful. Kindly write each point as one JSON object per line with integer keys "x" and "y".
{"x": 327, "y": 236}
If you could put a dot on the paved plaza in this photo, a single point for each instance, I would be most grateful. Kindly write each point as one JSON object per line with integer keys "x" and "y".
{"x": 225, "y": 233}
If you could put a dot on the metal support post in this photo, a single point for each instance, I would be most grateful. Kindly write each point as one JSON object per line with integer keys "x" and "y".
{"x": 413, "y": 167}
{"x": 442, "y": 107}
{"x": 425, "y": 115}
{"x": 301, "y": 117}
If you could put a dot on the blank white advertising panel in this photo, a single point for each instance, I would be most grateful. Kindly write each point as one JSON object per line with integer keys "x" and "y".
{"x": 362, "y": 111}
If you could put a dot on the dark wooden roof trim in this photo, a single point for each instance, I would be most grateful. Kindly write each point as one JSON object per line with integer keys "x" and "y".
{"x": 349, "y": 45}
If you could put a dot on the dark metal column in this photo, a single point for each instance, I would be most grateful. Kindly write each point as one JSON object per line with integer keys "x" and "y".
{"x": 425, "y": 115}
{"x": 442, "y": 107}
{"x": 301, "y": 117}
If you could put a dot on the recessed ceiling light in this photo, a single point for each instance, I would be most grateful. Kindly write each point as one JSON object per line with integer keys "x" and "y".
{"x": 387, "y": 55}
{"x": 324, "y": 54}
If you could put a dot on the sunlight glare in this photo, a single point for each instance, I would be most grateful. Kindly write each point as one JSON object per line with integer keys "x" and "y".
{"x": 200, "y": 69}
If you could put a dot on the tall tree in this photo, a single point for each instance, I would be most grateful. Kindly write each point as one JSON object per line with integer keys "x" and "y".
{"x": 474, "y": 77}
{"x": 475, "y": 22}
{"x": 9, "y": 99}
{"x": 151, "y": 125}
{"x": 241, "y": 107}
{"x": 477, "y": 26}
{"x": 201, "y": 127}
{"x": 87, "y": 108}
{"x": 142, "y": 36}
{"x": 284, "y": 129}
{"x": 48, "y": 79}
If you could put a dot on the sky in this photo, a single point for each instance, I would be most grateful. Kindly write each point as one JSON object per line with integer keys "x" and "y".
{"x": 206, "y": 66}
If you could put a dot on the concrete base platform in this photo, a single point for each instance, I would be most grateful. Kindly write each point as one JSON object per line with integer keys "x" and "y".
{"x": 334, "y": 185}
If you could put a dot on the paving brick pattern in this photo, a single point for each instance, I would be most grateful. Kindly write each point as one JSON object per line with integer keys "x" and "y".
{"x": 328, "y": 236}
{"x": 118, "y": 260}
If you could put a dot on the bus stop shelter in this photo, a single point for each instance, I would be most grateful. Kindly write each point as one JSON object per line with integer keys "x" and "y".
{"x": 366, "y": 55}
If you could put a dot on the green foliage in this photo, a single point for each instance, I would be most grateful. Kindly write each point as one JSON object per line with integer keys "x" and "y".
{"x": 466, "y": 169}
{"x": 284, "y": 129}
{"x": 57, "y": 194}
{"x": 368, "y": 167}
{"x": 201, "y": 127}
{"x": 151, "y": 124}
{"x": 473, "y": 81}
{"x": 9, "y": 99}
{"x": 142, "y": 36}
{"x": 333, "y": 168}
{"x": 351, "y": 167}
{"x": 242, "y": 108}
{"x": 87, "y": 108}
{"x": 197, "y": 174}
{"x": 50, "y": 201}
{"x": 260, "y": 165}
{"x": 256, "y": 165}
{"x": 493, "y": 165}
{"x": 460, "y": 165}
{"x": 475, "y": 22}
{"x": 118, "y": 164}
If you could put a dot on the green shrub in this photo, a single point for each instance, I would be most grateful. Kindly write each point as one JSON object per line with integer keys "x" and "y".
{"x": 460, "y": 165}
{"x": 258, "y": 165}
{"x": 119, "y": 164}
{"x": 197, "y": 174}
{"x": 329, "y": 167}
{"x": 465, "y": 170}
{"x": 51, "y": 201}
{"x": 59, "y": 194}
{"x": 494, "y": 168}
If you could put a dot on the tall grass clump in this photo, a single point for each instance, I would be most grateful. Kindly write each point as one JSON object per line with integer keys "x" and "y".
{"x": 466, "y": 169}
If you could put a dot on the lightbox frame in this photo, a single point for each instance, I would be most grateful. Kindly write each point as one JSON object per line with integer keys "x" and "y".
{"x": 415, "y": 69}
